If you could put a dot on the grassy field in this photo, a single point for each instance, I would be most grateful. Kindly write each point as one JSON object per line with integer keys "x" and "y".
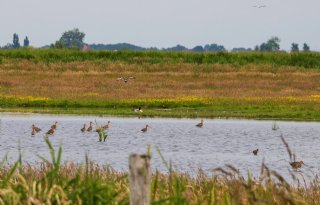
{"x": 250, "y": 85}
{"x": 89, "y": 183}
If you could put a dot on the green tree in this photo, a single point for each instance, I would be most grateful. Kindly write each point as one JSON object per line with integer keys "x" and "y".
{"x": 58, "y": 45}
{"x": 271, "y": 45}
{"x": 72, "y": 38}
{"x": 214, "y": 47}
{"x": 197, "y": 49}
{"x": 306, "y": 48}
{"x": 26, "y": 42}
{"x": 15, "y": 41}
{"x": 294, "y": 47}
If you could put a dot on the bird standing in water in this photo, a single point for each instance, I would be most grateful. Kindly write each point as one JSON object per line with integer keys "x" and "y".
{"x": 145, "y": 129}
{"x": 255, "y": 152}
{"x": 50, "y": 132}
{"x": 36, "y": 129}
{"x": 200, "y": 124}
{"x": 106, "y": 126}
{"x": 54, "y": 126}
{"x": 99, "y": 129}
{"x": 33, "y": 131}
{"x": 296, "y": 165}
{"x": 90, "y": 127}
{"x": 84, "y": 128}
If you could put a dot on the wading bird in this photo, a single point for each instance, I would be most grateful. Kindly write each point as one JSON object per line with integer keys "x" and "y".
{"x": 37, "y": 129}
{"x": 33, "y": 131}
{"x": 84, "y": 127}
{"x": 255, "y": 152}
{"x": 296, "y": 165}
{"x": 50, "y": 132}
{"x": 200, "y": 124}
{"x": 99, "y": 129}
{"x": 54, "y": 126}
{"x": 145, "y": 129}
{"x": 106, "y": 126}
{"x": 125, "y": 79}
{"x": 90, "y": 127}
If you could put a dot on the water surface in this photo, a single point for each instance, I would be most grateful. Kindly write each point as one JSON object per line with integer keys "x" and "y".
{"x": 219, "y": 142}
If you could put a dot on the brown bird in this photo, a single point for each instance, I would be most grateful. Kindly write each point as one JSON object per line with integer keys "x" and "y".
{"x": 36, "y": 129}
{"x": 200, "y": 124}
{"x": 90, "y": 127}
{"x": 145, "y": 129}
{"x": 99, "y": 129}
{"x": 255, "y": 152}
{"x": 125, "y": 79}
{"x": 33, "y": 131}
{"x": 106, "y": 126}
{"x": 54, "y": 126}
{"x": 84, "y": 127}
{"x": 50, "y": 132}
{"x": 296, "y": 165}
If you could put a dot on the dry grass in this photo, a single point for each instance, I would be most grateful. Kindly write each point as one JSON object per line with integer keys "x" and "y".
{"x": 98, "y": 80}
{"x": 95, "y": 184}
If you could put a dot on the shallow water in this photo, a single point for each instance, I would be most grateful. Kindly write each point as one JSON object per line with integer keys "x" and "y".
{"x": 218, "y": 143}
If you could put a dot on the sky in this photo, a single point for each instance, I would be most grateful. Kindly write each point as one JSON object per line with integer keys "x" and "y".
{"x": 164, "y": 23}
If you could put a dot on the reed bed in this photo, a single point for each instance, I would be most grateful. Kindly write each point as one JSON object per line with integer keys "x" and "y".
{"x": 52, "y": 182}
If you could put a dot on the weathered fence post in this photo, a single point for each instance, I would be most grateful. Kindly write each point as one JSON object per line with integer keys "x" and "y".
{"x": 140, "y": 179}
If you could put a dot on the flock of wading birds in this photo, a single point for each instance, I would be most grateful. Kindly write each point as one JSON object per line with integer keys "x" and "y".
{"x": 295, "y": 164}
{"x": 53, "y": 127}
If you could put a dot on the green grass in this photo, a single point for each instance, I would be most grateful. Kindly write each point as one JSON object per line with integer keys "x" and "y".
{"x": 305, "y": 60}
{"x": 251, "y": 108}
{"x": 57, "y": 90}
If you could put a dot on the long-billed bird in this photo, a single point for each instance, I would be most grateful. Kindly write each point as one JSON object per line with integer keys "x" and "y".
{"x": 126, "y": 79}
{"x": 33, "y": 132}
{"x": 200, "y": 124}
{"x": 54, "y": 126}
{"x": 36, "y": 129}
{"x": 145, "y": 129}
{"x": 296, "y": 165}
{"x": 106, "y": 126}
{"x": 90, "y": 127}
{"x": 84, "y": 128}
{"x": 50, "y": 132}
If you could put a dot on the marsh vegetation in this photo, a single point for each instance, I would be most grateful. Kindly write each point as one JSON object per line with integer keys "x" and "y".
{"x": 251, "y": 85}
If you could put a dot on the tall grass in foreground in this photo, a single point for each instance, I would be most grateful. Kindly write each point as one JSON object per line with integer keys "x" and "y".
{"x": 89, "y": 183}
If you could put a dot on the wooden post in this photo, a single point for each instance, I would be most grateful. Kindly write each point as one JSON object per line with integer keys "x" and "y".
{"x": 140, "y": 179}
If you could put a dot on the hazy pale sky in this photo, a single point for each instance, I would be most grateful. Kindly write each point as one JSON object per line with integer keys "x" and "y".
{"x": 164, "y": 23}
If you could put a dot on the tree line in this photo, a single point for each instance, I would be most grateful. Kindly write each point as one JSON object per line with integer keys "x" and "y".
{"x": 16, "y": 43}
{"x": 74, "y": 39}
